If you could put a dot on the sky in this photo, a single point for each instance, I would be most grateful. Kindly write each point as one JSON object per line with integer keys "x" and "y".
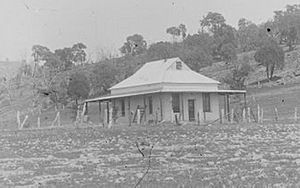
{"x": 103, "y": 25}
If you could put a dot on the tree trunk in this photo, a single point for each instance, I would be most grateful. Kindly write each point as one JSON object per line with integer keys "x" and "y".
{"x": 272, "y": 71}
{"x": 267, "y": 71}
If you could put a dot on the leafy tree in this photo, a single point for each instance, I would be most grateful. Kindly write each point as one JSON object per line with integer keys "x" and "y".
{"x": 291, "y": 38}
{"x": 183, "y": 30}
{"x": 271, "y": 56}
{"x": 103, "y": 77}
{"x": 236, "y": 78}
{"x": 78, "y": 52}
{"x": 66, "y": 57}
{"x": 54, "y": 64}
{"x": 39, "y": 53}
{"x": 213, "y": 21}
{"x": 248, "y": 35}
{"x": 161, "y": 50}
{"x": 177, "y": 31}
{"x": 174, "y": 31}
{"x": 196, "y": 58}
{"x": 228, "y": 52}
{"x": 134, "y": 45}
{"x": 224, "y": 39}
{"x": 79, "y": 86}
{"x": 287, "y": 23}
{"x": 70, "y": 56}
{"x": 200, "y": 40}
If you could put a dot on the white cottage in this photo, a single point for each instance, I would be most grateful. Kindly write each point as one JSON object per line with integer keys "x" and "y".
{"x": 164, "y": 90}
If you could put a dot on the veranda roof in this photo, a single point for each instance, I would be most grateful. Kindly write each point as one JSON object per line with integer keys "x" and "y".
{"x": 109, "y": 97}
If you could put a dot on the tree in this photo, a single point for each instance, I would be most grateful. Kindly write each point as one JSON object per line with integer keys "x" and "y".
{"x": 174, "y": 31}
{"x": 287, "y": 23}
{"x": 196, "y": 58}
{"x": 70, "y": 56}
{"x": 102, "y": 77}
{"x": 228, "y": 52}
{"x": 177, "y": 31}
{"x": 183, "y": 30}
{"x": 213, "y": 21}
{"x": 78, "y": 53}
{"x": 248, "y": 35}
{"x": 236, "y": 78}
{"x": 224, "y": 41}
{"x": 162, "y": 50}
{"x": 39, "y": 53}
{"x": 66, "y": 57}
{"x": 54, "y": 64}
{"x": 200, "y": 40}
{"x": 291, "y": 38}
{"x": 271, "y": 56}
{"x": 134, "y": 45}
{"x": 78, "y": 87}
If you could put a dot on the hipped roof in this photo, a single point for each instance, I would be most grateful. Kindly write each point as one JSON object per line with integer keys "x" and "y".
{"x": 156, "y": 72}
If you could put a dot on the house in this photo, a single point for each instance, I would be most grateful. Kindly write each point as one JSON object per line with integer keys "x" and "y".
{"x": 164, "y": 90}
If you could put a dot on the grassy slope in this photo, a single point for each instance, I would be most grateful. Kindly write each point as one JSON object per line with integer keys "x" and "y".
{"x": 292, "y": 65}
{"x": 285, "y": 97}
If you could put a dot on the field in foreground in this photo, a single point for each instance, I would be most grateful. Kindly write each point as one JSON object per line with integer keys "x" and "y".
{"x": 190, "y": 156}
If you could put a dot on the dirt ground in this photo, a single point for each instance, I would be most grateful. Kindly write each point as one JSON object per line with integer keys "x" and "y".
{"x": 185, "y": 156}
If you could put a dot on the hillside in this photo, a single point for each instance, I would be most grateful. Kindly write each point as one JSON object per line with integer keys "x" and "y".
{"x": 289, "y": 75}
{"x": 281, "y": 93}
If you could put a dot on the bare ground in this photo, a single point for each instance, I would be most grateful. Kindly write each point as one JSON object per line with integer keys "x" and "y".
{"x": 190, "y": 156}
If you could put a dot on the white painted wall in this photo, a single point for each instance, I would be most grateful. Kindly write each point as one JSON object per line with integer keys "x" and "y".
{"x": 166, "y": 99}
{"x": 210, "y": 116}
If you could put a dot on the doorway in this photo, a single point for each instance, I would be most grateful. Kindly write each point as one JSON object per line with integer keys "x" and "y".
{"x": 191, "y": 109}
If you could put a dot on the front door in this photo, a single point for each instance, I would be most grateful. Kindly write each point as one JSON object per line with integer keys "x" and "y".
{"x": 191, "y": 108}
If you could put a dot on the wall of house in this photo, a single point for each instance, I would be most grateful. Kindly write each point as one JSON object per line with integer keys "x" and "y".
{"x": 167, "y": 112}
{"x": 142, "y": 101}
{"x": 184, "y": 97}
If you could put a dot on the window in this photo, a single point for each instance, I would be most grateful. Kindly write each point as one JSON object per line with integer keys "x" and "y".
{"x": 175, "y": 103}
{"x": 206, "y": 102}
{"x": 123, "y": 107}
{"x": 178, "y": 65}
{"x": 150, "y": 105}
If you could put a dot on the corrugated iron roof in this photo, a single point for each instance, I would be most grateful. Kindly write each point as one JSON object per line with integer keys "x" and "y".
{"x": 160, "y": 72}
{"x": 108, "y": 97}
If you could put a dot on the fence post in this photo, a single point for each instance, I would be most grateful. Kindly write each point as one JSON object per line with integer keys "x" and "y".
{"x": 110, "y": 120}
{"x": 105, "y": 118}
{"x": 262, "y": 115}
{"x": 39, "y": 122}
{"x": 244, "y": 115}
{"x": 296, "y": 114}
{"x": 138, "y": 116}
{"x": 222, "y": 116}
{"x": 258, "y": 113}
{"x": 276, "y": 114}
{"x": 249, "y": 115}
{"x": 24, "y": 121}
{"x": 58, "y": 118}
{"x": 232, "y": 115}
{"x": 18, "y": 119}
